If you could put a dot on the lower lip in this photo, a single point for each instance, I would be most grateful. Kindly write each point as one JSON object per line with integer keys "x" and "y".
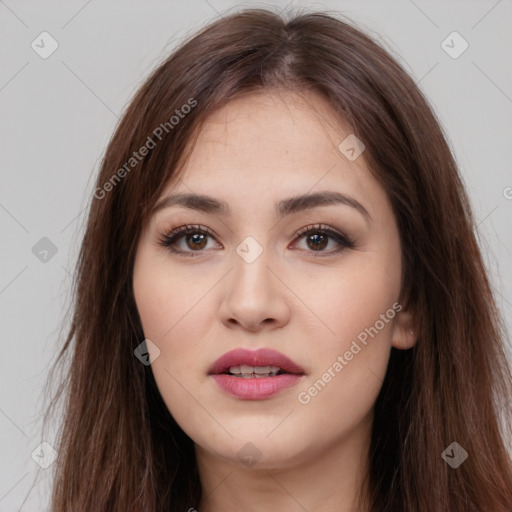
{"x": 256, "y": 388}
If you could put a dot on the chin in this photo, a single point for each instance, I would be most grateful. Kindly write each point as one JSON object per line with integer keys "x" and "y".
{"x": 257, "y": 451}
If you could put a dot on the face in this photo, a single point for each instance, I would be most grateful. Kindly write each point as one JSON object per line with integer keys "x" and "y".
{"x": 317, "y": 281}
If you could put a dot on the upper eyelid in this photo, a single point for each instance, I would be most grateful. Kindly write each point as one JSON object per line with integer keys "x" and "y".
{"x": 317, "y": 227}
{"x": 198, "y": 227}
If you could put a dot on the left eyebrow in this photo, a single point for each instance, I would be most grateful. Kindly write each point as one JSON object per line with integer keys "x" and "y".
{"x": 283, "y": 208}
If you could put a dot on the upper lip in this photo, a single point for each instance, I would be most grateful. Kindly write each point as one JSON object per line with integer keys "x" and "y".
{"x": 260, "y": 357}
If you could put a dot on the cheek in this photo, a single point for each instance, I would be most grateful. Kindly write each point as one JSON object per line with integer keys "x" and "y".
{"x": 175, "y": 310}
{"x": 168, "y": 301}
{"x": 171, "y": 319}
{"x": 343, "y": 302}
{"x": 357, "y": 309}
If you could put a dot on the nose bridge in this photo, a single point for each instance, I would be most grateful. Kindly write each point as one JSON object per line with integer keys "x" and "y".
{"x": 251, "y": 261}
{"x": 253, "y": 295}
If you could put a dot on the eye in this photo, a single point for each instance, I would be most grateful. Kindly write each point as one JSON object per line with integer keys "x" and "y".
{"x": 317, "y": 239}
{"x": 195, "y": 237}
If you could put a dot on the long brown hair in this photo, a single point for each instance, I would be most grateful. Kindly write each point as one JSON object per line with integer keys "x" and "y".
{"x": 119, "y": 447}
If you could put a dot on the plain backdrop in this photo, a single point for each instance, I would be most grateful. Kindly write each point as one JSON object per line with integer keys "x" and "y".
{"x": 58, "y": 113}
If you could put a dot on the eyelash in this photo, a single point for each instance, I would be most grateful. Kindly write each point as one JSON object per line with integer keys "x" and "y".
{"x": 168, "y": 240}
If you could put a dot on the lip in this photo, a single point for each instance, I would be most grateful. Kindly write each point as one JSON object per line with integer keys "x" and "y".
{"x": 255, "y": 388}
{"x": 260, "y": 357}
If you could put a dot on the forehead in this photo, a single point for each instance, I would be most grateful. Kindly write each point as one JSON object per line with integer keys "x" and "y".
{"x": 268, "y": 127}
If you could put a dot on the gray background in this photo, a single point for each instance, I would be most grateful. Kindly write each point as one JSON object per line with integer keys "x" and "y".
{"x": 57, "y": 115}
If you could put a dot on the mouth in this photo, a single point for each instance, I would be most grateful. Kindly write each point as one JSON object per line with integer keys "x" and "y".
{"x": 254, "y": 364}
{"x": 255, "y": 375}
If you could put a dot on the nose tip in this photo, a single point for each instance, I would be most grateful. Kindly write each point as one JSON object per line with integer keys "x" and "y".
{"x": 253, "y": 297}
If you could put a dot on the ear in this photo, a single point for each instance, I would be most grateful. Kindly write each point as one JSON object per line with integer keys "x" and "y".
{"x": 404, "y": 334}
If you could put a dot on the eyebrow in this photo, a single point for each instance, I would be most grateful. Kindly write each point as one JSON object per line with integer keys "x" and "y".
{"x": 289, "y": 206}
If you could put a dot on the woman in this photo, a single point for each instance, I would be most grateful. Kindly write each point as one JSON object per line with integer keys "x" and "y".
{"x": 280, "y": 299}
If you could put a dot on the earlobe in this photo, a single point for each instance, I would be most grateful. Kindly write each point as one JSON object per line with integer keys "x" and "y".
{"x": 405, "y": 333}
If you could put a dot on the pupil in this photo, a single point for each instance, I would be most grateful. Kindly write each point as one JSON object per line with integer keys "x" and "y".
{"x": 197, "y": 238}
{"x": 316, "y": 238}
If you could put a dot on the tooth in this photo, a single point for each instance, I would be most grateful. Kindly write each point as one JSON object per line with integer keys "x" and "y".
{"x": 246, "y": 371}
{"x": 262, "y": 369}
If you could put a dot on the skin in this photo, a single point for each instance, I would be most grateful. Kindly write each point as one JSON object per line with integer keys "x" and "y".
{"x": 251, "y": 153}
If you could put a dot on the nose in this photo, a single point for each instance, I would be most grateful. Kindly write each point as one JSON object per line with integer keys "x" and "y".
{"x": 254, "y": 298}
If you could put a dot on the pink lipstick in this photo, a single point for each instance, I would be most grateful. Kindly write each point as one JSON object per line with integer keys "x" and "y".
{"x": 255, "y": 374}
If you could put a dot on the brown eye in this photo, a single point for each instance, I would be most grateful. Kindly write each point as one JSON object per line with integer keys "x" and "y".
{"x": 318, "y": 241}
{"x": 196, "y": 241}
{"x": 317, "y": 238}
